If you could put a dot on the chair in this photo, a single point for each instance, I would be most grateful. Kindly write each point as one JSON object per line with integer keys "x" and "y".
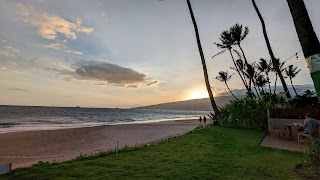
{"x": 314, "y": 132}
{"x": 277, "y": 131}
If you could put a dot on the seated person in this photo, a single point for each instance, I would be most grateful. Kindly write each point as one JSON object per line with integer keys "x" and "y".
{"x": 307, "y": 123}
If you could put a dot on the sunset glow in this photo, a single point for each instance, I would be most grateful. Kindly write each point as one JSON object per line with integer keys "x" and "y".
{"x": 198, "y": 95}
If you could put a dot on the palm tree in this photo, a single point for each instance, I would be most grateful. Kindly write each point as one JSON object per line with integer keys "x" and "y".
{"x": 204, "y": 66}
{"x": 227, "y": 41}
{"x": 291, "y": 72}
{"x": 274, "y": 61}
{"x": 265, "y": 67}
{"x": 224, "y": 77}
{"x": 307, "y": 37}
{"x": 238, "y": 35}
{"x": 251, "y": 73}
{"x": 281, "y": 65}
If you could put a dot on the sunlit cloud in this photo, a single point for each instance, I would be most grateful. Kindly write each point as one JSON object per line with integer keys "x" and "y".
{"x": 74, "y": 52}
{"x": 10, "y": 51}
{"x": 3, "y": 69}
{"x": 53, "y": 46}
{"x": 50, "y": 25}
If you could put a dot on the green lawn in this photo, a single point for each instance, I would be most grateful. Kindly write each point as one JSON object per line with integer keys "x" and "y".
{"x": 208, "y": 153}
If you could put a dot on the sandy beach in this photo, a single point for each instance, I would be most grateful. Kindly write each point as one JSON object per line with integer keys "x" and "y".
{"x": 26, "y": 148}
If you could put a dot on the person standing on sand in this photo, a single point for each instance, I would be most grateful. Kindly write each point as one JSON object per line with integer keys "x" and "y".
{"x": 307, "y": 123}
{"x": 200, "y": 119}
{"x": 204, "y": 120}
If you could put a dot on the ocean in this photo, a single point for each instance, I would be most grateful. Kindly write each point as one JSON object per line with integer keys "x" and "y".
{"x": 28, "y": 118}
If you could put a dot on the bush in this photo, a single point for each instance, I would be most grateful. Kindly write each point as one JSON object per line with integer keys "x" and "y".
{"x": 250, "y": 113}
{"x": 314, "y": 152}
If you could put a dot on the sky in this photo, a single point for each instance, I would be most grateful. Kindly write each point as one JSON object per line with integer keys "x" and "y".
{"x": 125, "y": 53}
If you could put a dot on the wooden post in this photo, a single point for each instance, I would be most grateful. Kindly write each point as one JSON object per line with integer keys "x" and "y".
{"x": 117, "y": 148}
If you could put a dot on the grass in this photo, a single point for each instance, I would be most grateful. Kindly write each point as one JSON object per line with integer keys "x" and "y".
{"x": 208, "y": 153}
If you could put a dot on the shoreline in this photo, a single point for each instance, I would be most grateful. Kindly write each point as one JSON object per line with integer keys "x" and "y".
{"x": 14, "y": 129}
{"x": 25, "y": 148}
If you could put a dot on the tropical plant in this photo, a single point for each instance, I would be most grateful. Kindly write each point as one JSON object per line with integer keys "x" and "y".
{"x": 308, "y": 39}
{"x": 265, "y": 67}
{"x": 249, "y": 113}
{"x": 261, "y": 82}
{"x": 239, "y": 35}
{"x": 227, "y": 41}
{"x": 308, "y": 93}
{"x": 273, "y": 69}
{"x": 250, "y": 73}
{"x": 314, "y": 151}
{"x": 273, "y": 59}
{"x": 291, "y": 72}
{"x": 204, "y": 66}
{"x": 224, "y": 77}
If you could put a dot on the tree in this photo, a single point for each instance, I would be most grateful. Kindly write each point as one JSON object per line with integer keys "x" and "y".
{"x": 281, "y": 65}
{"x": 204, "y": 66}
{"x": 238, "y": 35}
{"x": 291, "y": 72}
{"x": 227, "y": 41}
{"x": 224, "y": 77}
{"x": 308, "y": 39}
{"x": 274, "y": 60}
{"x": 265, "y": 67}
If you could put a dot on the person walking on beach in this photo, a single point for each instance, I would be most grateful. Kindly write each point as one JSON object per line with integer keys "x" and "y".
{"x": 200, "y": 120}
{"x": 307, "y": 123}
{"x": 204, "y": 120}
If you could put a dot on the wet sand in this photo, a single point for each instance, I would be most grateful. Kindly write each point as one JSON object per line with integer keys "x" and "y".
{"x": 26, "y": 148}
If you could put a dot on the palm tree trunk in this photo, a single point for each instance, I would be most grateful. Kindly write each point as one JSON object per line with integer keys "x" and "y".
{"x": 293, "y": 87}
{"x": 269, "y": 82}
{"x": 274, "y": 61}
{"x": 275, "y": 84}
{"x": 307, "y": 37}
{"x": 204, "y": 66}
{"x": 244, "y": 57}
{"x": 237, "y": 69}
{"x": 230, "y": 90}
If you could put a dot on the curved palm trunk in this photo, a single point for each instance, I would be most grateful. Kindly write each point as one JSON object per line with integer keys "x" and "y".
{"x": 204, "y": 66}
{"x": 294, "y": 89}
{"x": 230, "y": 90}
{"x": 307, "y": 37}
{"x": 274, "y": 62}
{"x": 244, "y": 57}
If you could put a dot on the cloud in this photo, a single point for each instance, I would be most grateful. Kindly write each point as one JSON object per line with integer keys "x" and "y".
{"x": 74, "y": 52}
{"x": 155, "y": 83}
{"x": 110, "y": 74}
{"x": 49, "y": 25}
{"x": 10, "y": 51}
{"x": 3, "y": 69}
{"x": 18, "y": 89}
{"x": 53, "y": 46}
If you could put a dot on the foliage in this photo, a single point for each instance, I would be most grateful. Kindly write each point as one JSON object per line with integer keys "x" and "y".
{"x": 307, "y": 99}
{"x": 212, "y": 152}
{"x": 250, "y": 113}
{"x": 314, "y": 151}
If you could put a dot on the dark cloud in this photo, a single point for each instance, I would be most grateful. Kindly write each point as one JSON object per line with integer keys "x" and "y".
{"x": 155, "y": 83}
{"x": 110, "y": 73}
{"x": 17, "y": 89}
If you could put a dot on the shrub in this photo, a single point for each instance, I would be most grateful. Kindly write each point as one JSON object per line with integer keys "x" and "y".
{"x": 250, "y": 113}
{"x": 314, "y": 152}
